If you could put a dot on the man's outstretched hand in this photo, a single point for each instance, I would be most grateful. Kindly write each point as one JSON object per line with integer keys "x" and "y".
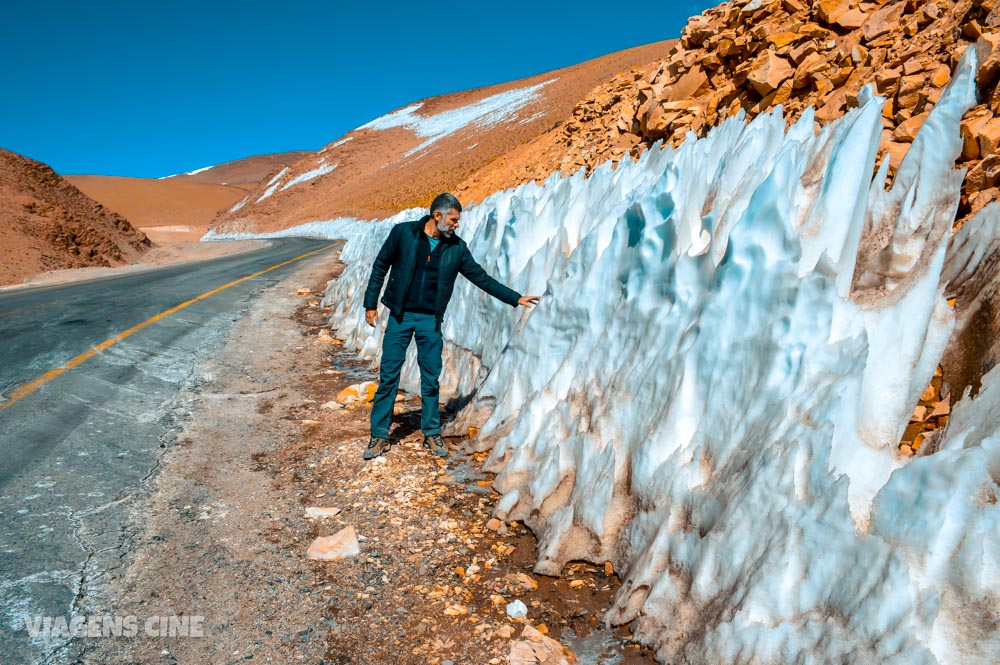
{"x": 528, "y": 301}
{"x": 371, "y": 316}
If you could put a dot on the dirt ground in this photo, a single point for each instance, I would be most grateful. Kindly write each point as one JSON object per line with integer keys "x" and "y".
{"x": 223, "y": 533}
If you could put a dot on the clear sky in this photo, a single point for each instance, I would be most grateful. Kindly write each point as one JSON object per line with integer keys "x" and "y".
{"x": 147, "y": 89}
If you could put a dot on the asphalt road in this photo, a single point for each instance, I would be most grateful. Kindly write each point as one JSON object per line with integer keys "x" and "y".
{"x": 78, "y": 447}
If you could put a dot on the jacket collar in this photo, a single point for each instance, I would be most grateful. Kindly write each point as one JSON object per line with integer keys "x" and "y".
{"x": 418, "y": 228}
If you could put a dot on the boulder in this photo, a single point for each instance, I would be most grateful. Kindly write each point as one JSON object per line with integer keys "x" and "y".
{"x": 829, "y": 11}
{"x": 970, "y": 129}
{"x": 691, "y": 84}
{"x": 851, "y": 19}
{"x": 880, "y": 22}
{"x": 534, "y": 648}
{"x": 781, "y": 39}
{"x": 977, "y": 201}
{"x": 907, "y": 131}
{"x": 989, "y": 136}
{"x": 911, "y": 88}
{"x": 984, "y": 175}
{"x": 359, "y": 392}
{"x": 988, "y": 52}
{"x": 771, "y": 71}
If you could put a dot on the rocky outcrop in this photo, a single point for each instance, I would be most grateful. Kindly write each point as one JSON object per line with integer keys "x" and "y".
{"x": 751, "y": 56}
{"x": 47, "y": 224}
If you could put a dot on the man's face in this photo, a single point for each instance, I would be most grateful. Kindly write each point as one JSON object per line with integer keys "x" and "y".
{"x": 447, "y": 224}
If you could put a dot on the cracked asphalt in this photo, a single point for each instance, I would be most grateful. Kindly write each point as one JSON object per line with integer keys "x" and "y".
{"x": 77, "y": 454}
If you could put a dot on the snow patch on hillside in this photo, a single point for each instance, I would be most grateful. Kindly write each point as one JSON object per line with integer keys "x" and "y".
{"x": 272, "y": 184}
{"x": 195, "y": 172}
{"x": 322, "y": 169}
{"x": 484, "y": 113}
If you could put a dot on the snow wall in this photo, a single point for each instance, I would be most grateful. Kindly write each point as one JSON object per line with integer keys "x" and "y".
{"x": 732, "y": 337}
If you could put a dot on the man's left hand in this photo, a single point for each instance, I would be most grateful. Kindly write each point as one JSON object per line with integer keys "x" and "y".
{"x": 528, "y": 301}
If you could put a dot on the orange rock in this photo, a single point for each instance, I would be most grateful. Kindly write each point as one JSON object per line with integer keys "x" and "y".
{"x": 807, "y": 70}
{"x": 782, "y": 94}
{"x": 896, "y": 152}
{"x": 887, "y": 81}
{"x": 859, "y": 54}
{"x": 882, "y": 21}
{"x": 815, "y": 30}
{"x": 942, "y": 408}
{"x": 940, "y": 76}
{"x": 989, "y": 136}
{"x": 341, "y": 545}
{"x": 988, "y": 53}
{"x": 915, "y": 65}
{"x": 907, "y": 131}
{"x": 691, "y": 84}
{"x": 800, "y": 52}
{"x": 770, "y": 72}
{"x": 784, "y": 38}
{"x": 984, "y": 174}
{"x": 970, "y": 129}
{"x": 905, "y": 450}
{"x": 910, "y": 90}
{"x": 851, "y": 19}
{"x": 979, "y": 200}
{"x": 830, "y": 10}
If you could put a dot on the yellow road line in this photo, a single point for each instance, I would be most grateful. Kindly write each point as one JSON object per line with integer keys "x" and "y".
{"x": 35, "y": 384}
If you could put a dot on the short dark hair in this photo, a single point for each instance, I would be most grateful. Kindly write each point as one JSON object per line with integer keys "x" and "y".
{"x": 445, "y": 202}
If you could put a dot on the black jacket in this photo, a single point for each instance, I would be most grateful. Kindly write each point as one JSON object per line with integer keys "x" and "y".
{"x": 398, "y": 257}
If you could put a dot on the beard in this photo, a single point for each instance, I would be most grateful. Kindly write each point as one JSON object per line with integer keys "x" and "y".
{"x": 444, "y": 229}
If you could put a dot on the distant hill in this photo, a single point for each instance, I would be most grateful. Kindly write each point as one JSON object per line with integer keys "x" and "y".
{"x": 180, "y": 207}
{"x": 247, "y": 171}
{"x": 46, "y": 223}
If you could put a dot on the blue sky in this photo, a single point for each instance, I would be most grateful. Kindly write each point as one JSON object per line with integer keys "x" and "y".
{"x": 149, "y": 89}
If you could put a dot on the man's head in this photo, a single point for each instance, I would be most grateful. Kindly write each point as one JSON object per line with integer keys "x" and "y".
{"x": 446, "y": 211}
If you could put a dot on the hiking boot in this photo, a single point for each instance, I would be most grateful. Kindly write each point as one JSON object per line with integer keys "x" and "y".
{"x": 436, "y": 445}
{"x": 377, "y": 446}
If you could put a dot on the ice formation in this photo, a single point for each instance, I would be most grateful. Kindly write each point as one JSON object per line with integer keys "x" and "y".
{"x": 484, "y": 113}
{"x": 710, "y": 394}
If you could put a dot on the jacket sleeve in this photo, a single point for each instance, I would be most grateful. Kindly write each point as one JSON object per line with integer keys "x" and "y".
{"x": 380, "y": 268}
{"x": 475, "y": 274}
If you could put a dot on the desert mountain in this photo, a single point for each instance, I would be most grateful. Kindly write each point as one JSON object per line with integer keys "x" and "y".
{"x": 180, "y": 207}
{"x": 46, "y": 223}
{"x": 402, "y": 159}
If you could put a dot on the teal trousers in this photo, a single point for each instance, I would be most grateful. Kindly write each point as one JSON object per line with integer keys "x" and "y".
{"x": 398, "y": 332}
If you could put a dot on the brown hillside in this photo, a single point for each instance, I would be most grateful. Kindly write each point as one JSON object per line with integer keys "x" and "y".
{"x": 373, "y": 175}
{"x": 47, "y": 224}
{"x": 248, "y": 171}
{"x": 166, "y": 210}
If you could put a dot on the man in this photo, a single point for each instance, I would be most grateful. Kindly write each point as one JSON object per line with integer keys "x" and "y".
{"x": 423, "y": 258}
